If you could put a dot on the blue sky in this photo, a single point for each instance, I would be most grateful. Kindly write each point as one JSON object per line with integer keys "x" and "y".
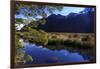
{"x": 65, "y": 11}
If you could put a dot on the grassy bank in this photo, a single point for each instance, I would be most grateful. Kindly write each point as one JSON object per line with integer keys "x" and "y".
{"x": 59, "y": 40}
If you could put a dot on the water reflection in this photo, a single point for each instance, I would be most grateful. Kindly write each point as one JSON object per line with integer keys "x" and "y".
{"x": 42, "y": 55}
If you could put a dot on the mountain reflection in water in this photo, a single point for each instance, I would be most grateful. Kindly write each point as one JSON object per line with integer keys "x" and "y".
{"x": 42, "y": 55}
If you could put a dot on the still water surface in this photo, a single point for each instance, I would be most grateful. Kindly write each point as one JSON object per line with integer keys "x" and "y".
{"x": 42, "y": 55}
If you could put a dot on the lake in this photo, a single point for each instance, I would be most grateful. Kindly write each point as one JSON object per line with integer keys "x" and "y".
{"x": 43, "y": 55}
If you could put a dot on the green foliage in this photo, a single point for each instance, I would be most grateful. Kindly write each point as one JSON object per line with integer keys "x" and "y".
{"x": 26, "y": 29}
{"x": 18, "y": 20}
{"x": 37, "y": 37}
{"x": 34, "y": 32}
{"x": 20, "y": 53}
{"x": 41, "y": 37}
{"x": 32, "y": 12}
{"x": 33, "y": 24}
{"x": 29, "y": 58}
{"x": 17, "y": 43}
{"x": 35, "y": 10}
{"x": 26, "y": 34}
{"x": 19, "y": 56}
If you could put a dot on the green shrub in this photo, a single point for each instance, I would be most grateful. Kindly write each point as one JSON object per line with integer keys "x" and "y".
{"x": 26, "y": 33}
{"x": 29, "y": 58}
{"x": 17, "y": 43}
{"x": 19, "y": 56}
{"x": 20, "y": 53}
{"x": 38, "y": 37}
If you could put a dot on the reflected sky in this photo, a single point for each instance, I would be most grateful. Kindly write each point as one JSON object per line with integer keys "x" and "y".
{"x": 42, "y": 55}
